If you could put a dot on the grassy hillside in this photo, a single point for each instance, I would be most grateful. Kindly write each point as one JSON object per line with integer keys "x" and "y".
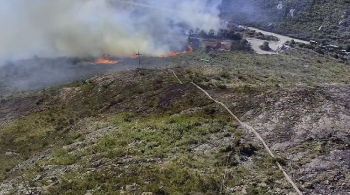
{"x": 141, "y": 131}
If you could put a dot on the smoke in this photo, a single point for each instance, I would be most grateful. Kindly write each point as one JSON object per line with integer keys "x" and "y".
{"x": 249, "y": 11}
{"x": 79, "y": 28}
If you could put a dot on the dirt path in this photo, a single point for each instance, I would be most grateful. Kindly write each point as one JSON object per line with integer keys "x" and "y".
{"x": 250, "y": 129}
{"x": 274, "y": 45}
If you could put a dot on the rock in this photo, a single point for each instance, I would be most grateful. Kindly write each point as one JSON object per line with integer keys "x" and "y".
{"x": 239, "y": 190}
{"x": 147, "y": 193}
{"x": 97, "y": 163}
{"x": 244, "y": 191}
{"x": 132, "y": 188}
{"x": 263, "y": 184}
{"x": 38, "y": 177}
{"x": 11, "y": 154}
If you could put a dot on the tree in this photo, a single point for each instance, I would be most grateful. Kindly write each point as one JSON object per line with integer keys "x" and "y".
{"x": 235, "y": 36}
{"x": 203, "y": 34}
{"x": 211, "y": 33}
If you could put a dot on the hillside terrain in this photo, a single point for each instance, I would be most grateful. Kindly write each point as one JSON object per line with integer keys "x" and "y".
{"x": 326, "y": 21}
{"x": 142, "y": 132}
{"x": 137, "y": 124}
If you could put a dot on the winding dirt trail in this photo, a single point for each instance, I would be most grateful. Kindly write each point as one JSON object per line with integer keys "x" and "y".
{"x": 250, "y": 129}
{"x": 274, "y": 45}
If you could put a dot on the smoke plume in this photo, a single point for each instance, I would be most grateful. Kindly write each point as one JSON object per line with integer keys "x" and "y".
{"x": 54, "y": 28}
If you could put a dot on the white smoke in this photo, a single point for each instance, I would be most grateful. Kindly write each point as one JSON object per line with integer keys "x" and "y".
{"x": 52, "y": 28}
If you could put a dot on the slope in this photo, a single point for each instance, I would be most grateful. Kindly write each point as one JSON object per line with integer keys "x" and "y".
{"x": 141, "y": 131}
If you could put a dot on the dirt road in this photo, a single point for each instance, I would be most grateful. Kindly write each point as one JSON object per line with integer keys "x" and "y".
{"x": 274, "y": 45}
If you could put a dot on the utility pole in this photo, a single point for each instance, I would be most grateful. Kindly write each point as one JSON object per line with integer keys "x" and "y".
{"x": 139, "y": 57}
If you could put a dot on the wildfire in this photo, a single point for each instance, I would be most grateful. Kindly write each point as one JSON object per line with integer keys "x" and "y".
{"x": 175, "y": 53}
{"x": 106, "y": 60}
{"x": 171, "y": 54}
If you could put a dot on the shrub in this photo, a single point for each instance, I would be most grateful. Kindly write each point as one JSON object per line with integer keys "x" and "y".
{"x": 348, "y": 48}
{"x": 292, "y": 42}
{"x": 265, "y": 46}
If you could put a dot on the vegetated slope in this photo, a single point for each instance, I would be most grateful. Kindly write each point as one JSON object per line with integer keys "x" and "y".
{"x": 326, "y": 21}
{"x": 142, "y": 131}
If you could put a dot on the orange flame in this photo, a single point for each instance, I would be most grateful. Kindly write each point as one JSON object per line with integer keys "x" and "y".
{"x": 171, "y": 54}
{"x": 175, "y": 53}
{"x": 106, "y": 61}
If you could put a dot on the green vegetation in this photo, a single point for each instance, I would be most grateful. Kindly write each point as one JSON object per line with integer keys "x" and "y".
{"x": 62, "y": 157}
{"x": 144, "y": 140}
{"x": 32, "y": 134}
{"x": 318, "y": 20}
{"x": 162, "y": 155}
{"x": 141, "y": 131}
{"x": 325, "y": 21}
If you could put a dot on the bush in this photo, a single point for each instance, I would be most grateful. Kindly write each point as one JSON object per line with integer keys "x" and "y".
{"x": 265, "y": 46}
{"x": 348, "y": 48}
{"x": 242, "y": 45}
{"x": 292, "y": 42}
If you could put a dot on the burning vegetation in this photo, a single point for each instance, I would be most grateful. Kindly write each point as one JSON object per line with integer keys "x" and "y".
{"x": 106, "y": 60}
{"x": 176, "y": 53}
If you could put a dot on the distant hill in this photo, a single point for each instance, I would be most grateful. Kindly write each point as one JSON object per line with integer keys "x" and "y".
{"x": 326, "y": 21}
